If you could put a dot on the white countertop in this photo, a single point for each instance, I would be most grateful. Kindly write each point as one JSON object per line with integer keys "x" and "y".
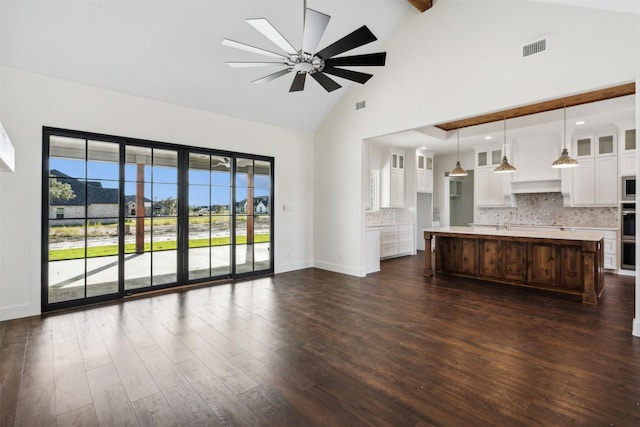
{"x": 538, "y": 234}
{"x": 555, "y": 226}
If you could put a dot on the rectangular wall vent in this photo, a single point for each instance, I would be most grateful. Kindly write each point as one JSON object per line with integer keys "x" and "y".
{"x": 534, "y": 47}
{"x": 360, "y": 105}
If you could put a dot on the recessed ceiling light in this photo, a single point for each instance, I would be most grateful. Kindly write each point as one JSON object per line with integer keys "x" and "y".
{"x": 488, "y": 137}
{"x": 423, "y": 148}
{"x": 581, "y": 122}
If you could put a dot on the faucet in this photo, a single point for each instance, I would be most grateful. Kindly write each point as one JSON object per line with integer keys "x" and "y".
{"x": 509, "y": 220}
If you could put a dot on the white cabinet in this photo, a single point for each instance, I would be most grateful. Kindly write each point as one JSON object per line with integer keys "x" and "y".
{"x": 424, "y": 173}
{"x": 488, "y": 186}
{"x": 397, "y": 240}
{"x": 627, "y": 150}
{"x": 392, "y": 179}
{"x": 610, "y": 248}
{"x": 405, "y": 239}
{"x": 389, "y": 241}
{"x": 595, "y": 181}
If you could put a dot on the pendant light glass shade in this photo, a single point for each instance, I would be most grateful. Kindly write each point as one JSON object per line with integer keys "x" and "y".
{"x": 458, "y": 171}
{"x": 564, "y": 161}
{"x": 505, "y": 167}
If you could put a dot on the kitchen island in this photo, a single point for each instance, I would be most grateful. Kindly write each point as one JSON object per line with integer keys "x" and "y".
{"x": 569, "y": 263}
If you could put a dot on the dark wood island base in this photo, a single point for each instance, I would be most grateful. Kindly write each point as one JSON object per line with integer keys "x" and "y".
{"x": 564, "y": 262}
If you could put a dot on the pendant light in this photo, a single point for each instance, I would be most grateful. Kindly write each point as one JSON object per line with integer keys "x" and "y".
{"x": 505, "y": 167}
{"x": 458, "y": 171}
{"x": 564, "y": 161}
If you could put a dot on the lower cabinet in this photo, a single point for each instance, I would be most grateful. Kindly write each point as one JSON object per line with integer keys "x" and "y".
{"x": 610, "y": 247}
{"x": 397, "y": 240}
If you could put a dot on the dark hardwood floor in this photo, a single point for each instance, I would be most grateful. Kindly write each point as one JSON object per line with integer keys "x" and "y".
{"x": 317, "y": 348}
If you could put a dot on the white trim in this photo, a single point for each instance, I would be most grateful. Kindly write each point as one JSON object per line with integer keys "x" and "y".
{"x": 337, "y": 268}
{"x": 636, "y": 327}
{"x": 17, "y": 311}
{"x": 283, "y": 268}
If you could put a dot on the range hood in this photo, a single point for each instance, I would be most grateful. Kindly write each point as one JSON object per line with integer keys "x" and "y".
{"x": 536, "y": 186}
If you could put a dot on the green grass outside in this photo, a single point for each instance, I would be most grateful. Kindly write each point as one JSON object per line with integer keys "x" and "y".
{"x": 129, "y": 248}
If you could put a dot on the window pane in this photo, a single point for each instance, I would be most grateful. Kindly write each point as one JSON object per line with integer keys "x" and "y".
{"x": 102, "y": 198}
{"x": 199, "y": 203}
{"x": 199, "y": 169}
{"x": 165, "y": 199}
{"x": 66, "y": 260}
{"x": 131, "y": 190}
{"x": 138, "y": 162}
{"x": 262, "y": 177}
{"x": 164, "y": 248}
{"x": 102, "y": 256}
{"x": 165, "y": 166}
{"x": 67, "y": 194}
{"x": 67, "y": 157}
{"x": 221, "y": 200}
{"x": 103, "y": 160}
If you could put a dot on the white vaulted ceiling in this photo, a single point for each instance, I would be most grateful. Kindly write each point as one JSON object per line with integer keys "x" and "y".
{"x": 170, "y": 50}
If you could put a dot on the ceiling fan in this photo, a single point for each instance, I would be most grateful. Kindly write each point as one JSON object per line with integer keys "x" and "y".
{"x": 309, "y": 60}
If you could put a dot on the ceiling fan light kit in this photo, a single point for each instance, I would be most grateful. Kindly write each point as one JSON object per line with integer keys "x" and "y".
{"x": 309, "y": 61}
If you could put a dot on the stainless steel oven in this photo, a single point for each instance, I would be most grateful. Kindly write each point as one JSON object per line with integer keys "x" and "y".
{"x": 628, "y": 221}
{"x": 628, "y": 188}
{"x": 628, "y": 236}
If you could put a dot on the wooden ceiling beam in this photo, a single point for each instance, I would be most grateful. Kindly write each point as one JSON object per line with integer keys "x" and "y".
{"x": 422, "y": 5}
{"x": 540, "y": 107}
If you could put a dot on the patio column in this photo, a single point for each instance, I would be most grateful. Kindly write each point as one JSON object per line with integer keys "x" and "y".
{"x": 140, "y": 209}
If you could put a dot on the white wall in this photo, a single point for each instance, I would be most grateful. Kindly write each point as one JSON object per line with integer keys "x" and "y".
{"x": 459, "y": 59}
{"x": 30, "y": 101}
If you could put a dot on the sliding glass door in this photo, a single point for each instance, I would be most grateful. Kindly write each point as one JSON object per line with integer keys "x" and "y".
{"x": 122, "y": 216}
{"x": 210, "y": 211}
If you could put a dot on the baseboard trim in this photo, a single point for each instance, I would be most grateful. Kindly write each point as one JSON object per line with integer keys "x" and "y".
{"x": 636, "y": 327}
{"x": 283, "y": 268}
{"x": 337, "y": 268}
{"x": 17, "y": 312}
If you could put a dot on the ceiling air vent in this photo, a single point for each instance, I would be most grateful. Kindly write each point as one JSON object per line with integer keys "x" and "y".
{"x": 360, "y": 105}
{"x": 534, "y": 47}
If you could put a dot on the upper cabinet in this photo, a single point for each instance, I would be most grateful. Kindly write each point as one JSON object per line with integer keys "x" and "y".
{"x": 627, "y": 150}
{"x": 424, "y": 172}
{"x": 489, "y": 187}
{"x": 595, "y": 181}
{"x": 488, "y": 156}
{"x": 392, "y": 178}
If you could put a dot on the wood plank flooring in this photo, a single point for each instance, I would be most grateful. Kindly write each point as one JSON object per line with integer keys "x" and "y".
{"x": 317, "y": 348}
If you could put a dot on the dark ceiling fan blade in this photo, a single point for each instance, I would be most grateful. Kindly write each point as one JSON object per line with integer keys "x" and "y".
{"x": 273, "y": 76}
{"x": 314, "y": 25}
{"x": 325, "y": 81}
{"x": 371, "y": 59}
{"x": 253, "y": 49}
{"x": 254, "y": 64}
{"x": 357, "y": 38}
{"x": 270, "y": 32}
{"x": 355, "y": 76}
{"x": 298, "y": 82}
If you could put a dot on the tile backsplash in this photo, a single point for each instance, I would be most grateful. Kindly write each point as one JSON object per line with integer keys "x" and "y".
{"x": 547, "y": 209}
{"x": 380, "y": 217}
